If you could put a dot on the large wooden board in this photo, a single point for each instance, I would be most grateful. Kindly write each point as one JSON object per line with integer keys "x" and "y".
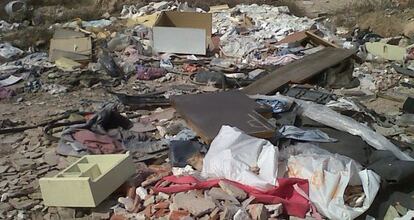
{"x": 206, "y": 113}
{"x": 298, "y": 71}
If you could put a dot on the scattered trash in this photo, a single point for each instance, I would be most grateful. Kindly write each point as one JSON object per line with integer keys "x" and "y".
{"x": 242, "y": 111}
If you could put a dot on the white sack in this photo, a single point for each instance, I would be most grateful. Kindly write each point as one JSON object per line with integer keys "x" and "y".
{"x": 329, "y": 175}
{"x": 233, "y": 153}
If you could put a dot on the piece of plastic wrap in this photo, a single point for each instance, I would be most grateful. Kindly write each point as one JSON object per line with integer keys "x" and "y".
{"x": 235, "y": 155}
{"x": 331, "y": 118}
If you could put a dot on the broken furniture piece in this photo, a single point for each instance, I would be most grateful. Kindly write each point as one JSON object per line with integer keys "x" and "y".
{"x": 207, "y": 113}
{"x": 88, "y": 181}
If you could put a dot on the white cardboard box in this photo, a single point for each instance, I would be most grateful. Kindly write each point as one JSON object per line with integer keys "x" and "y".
{"x": 182, "y": 32}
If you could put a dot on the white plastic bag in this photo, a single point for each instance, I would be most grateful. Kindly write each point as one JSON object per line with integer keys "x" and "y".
{"x": 233, "y": 154}
{"x": 329, "y": 175}
{"x": 331, "y": 118}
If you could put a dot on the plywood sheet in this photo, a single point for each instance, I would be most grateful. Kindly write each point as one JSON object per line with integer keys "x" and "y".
{"x": 206, "y": 113}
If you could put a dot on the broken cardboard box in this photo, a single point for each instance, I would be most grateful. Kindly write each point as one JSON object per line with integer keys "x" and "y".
{"x": 70, "y": 44}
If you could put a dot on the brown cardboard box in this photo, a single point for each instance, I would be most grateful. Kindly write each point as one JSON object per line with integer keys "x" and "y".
{"x": 70, "y": 44}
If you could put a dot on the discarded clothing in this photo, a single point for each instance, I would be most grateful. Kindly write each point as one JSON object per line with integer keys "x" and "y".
{"x": 139, "y": 145}
{"x": 234, "y": 155}
{"x": 101, "y": 134}
{"x": 289, "y": 191}
{"x": 150, "y": 73}
{"x": 6, "y": 93}
{"x": 97, "y": 144}
{"x": 299, "y": 134}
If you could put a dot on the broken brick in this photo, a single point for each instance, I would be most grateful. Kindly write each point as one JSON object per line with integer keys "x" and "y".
{"x": 178, "y": 214}
{"x": 162, "y": 205}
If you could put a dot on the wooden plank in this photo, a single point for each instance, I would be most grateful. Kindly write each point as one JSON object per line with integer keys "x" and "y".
{"x": 320, "y": 41}
{"x": 298, "y": 71}
{"x": 295, "y": 37}
{"x": 206, "y": 113}
{"x": 315, "y": 38}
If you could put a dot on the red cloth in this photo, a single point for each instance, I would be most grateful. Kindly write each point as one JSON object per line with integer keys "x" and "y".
{"x": 293, "y": 203}
{"x": 97, "y": 144}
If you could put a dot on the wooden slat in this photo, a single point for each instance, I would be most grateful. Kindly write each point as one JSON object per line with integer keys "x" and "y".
{"x": 298, "y": 71}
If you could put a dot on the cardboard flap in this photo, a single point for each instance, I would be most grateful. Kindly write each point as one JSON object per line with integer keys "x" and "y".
{"x": 186, "y": 20}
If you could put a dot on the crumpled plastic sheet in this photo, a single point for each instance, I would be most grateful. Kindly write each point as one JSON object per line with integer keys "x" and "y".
{"x": 296, "y": 133}
{"x": 8, "y": 51}
{"x": 329, "y": 175}
{"x": 343, "y": 103}
{"x": 277, "y": 60}
{"x": 238, "y": 46}
{"x": 5, "y": 26}
{"x": 233, "y": 154}
{"x": 329, "y": 117}
{"x": 30, "y": 61}
{"x": 38, "y": 59}
{"x": 97, "y": 23}
{"x": 278, "y": 106}
{"x": 184, "y": 135}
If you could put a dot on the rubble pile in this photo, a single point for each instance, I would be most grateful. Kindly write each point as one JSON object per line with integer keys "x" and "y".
{"x": 169, "y": 111}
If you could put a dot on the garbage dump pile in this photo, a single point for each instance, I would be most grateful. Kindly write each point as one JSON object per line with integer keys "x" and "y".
{"x": 236, "y": 113}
